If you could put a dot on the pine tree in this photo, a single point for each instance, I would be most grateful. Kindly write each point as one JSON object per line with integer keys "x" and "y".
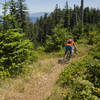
{"x": 41, "y": 31}
{"x": 75, "y": 16}
{"x": 21, "y": 14}
{"x": 66, "y": 16}
{"x": 57, "y": 14}
{"x": 82, "y": 11}
{"x": 14, "y": 52}
{"x": 13, "y": 13}
{"x": 13, "y": 7}
{"x": 45, "y": 27}
{"x": 5, "y": 9}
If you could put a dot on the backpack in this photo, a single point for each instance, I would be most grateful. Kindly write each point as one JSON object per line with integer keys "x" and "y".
{"x": 70, "y": 41}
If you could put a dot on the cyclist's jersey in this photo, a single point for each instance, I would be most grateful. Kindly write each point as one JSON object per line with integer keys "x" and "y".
{"x": 70, "y": 42}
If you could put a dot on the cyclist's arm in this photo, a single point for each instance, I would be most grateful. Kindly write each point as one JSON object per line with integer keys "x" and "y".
{"x": 75, "y": 46}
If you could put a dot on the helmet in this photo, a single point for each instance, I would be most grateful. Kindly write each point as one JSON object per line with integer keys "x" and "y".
{"x": 71, "y": 38}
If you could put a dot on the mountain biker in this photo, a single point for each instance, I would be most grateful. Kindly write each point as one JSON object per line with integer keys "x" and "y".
{"x": 69, "y": 43}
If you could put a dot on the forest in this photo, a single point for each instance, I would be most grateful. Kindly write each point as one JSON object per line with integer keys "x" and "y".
{"x": 21, "y": 43}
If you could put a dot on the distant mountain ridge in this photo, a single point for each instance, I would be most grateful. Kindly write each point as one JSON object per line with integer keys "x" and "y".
{"x": 33, "y": 17}
{"x": 38, "y": 14}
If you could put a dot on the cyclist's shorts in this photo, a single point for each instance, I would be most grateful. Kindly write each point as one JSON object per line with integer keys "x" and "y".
{"x": 68, "y": 48}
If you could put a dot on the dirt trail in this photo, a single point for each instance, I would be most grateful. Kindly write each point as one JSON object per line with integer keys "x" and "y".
{"x": 38, "y": 89}
{"x": 41, "y": 88}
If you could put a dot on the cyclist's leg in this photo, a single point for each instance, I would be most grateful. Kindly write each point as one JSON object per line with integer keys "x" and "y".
{"x": 70, "y": 51}
{"x": 66, "y": 50}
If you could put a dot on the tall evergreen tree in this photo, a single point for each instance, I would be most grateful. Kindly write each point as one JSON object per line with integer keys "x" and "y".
{"x": 66, "y": 16}
{"x": 5, "y": 9}
{"x": 82, "y": 11}
{"x": 21, "y": 14}
{"x": 12, "y": 7}
{"x": 45, "y": 27}
{"x": 13, "y": 12}
{"x": 75, "y": 16}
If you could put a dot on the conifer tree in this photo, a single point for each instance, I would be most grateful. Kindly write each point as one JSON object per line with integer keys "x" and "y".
{"x": 5, "y": 9}
{"x": 82, "y": 11}
{"x": 12, "y": 7}
{"x": 13, "y": 13}
{"x": 14, "y": 52}
{"x": 66, "y": 16}
{"x": 21, "y": 14}
{"x": 75, "y": 16}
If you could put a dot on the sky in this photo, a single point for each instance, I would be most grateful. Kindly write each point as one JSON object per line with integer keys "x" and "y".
{"x": 49, "y": 5}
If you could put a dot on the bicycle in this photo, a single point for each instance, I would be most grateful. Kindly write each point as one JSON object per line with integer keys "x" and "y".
{"x": 68, "y": 55}
{"x": 65, "y": 59}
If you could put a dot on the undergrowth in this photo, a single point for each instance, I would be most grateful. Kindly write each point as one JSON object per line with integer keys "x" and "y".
{"x": 79, "y": 81}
